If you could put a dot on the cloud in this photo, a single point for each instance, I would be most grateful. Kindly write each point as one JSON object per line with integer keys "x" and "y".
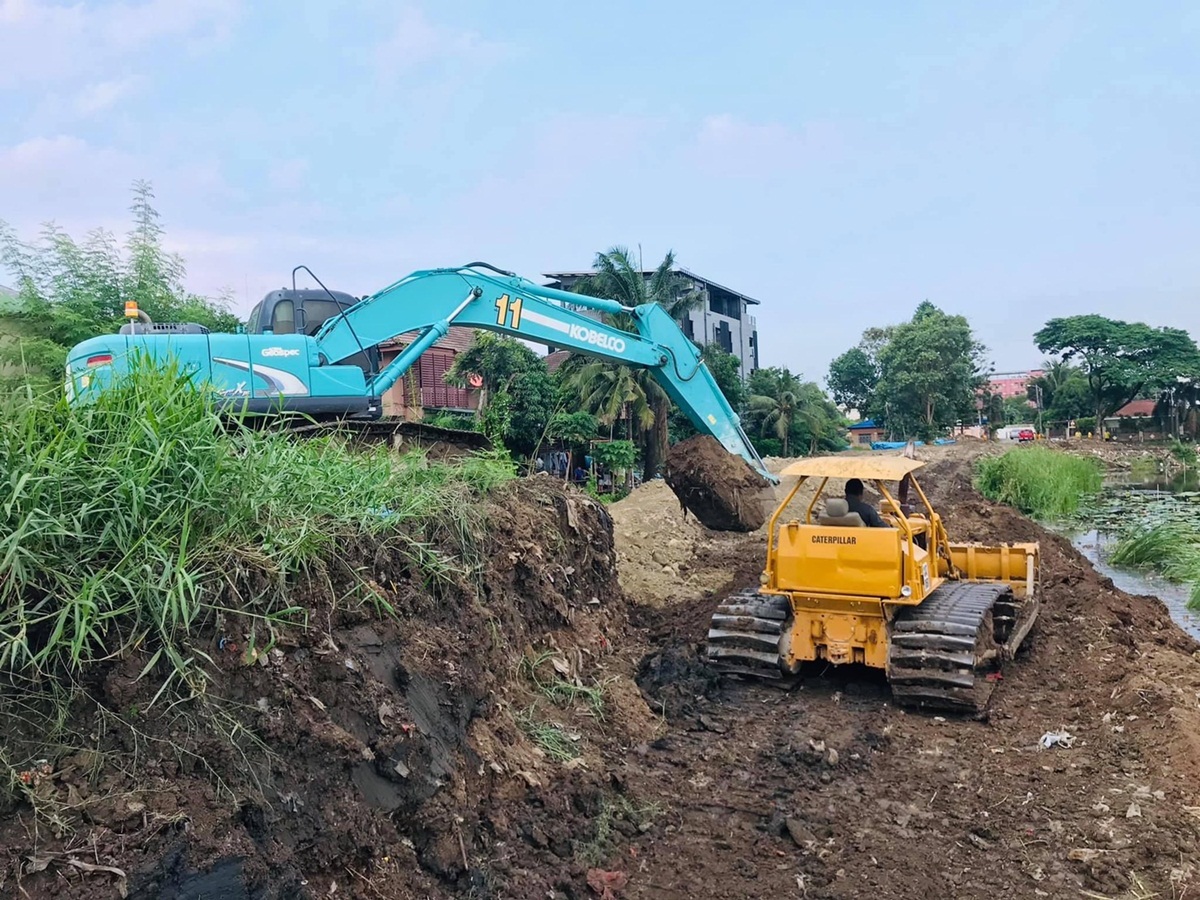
{"x": 101, "y": 96}
{"x": 727, "y": 146}
{"x": 43, "y": 43}
{"x": 416, "y": 44}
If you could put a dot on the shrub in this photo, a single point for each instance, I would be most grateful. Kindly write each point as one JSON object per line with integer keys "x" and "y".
{"x": 1037, "y": 480}
{"x": 132, "y": 521}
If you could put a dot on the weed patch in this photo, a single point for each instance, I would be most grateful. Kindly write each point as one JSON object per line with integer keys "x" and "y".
{"x": 1044, "y": 483}
{"x": 551, "y": 737}
{"x": 1172, "y": 549}
{"x": 134, "y": 520}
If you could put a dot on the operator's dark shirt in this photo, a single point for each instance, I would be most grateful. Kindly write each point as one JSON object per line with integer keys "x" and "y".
{"x": 867, "y": 512}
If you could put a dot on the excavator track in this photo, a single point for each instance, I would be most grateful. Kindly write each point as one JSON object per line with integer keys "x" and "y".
{"x": 744, "y": 635}
{"x": 441, "y": 443}
{"x": 945, "y": 653}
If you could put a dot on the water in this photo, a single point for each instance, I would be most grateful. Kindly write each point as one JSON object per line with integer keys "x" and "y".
{"x": 1097, "y": 545}
{"x": 1140, "y": 495}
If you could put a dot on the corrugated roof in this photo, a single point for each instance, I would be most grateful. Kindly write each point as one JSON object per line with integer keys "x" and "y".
{"x": 556, "y": 359}
{"x": 456, "y": 339}
{"x": 1137, "y": 409}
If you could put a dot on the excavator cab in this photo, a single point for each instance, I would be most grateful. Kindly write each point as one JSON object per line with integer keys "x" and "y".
{"x": 304, "y": 311}
{"x": 935, "y": 615}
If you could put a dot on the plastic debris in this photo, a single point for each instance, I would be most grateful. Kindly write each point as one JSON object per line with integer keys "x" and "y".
{"x": 1056, "y": 739}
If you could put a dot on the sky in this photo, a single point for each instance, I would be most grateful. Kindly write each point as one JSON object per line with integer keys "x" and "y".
{"x": 838, "y": 162}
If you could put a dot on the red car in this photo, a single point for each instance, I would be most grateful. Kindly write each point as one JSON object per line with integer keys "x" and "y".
{"x": 1026, "y": 434}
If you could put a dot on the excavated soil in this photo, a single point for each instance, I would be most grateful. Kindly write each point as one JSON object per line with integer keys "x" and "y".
{"x": 718, "y": 488}
{"x": 398, "y": 765}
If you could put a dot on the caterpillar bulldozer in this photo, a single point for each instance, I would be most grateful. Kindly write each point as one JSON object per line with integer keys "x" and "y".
{"x": 939, "y": 617}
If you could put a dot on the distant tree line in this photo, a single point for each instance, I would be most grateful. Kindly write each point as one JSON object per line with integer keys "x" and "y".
{"x": 925, "y": 376}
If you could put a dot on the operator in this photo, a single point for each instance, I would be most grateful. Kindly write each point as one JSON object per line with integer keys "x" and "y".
{"x": 854, "y": 499}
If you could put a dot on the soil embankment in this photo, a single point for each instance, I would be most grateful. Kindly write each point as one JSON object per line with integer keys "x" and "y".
{"x": 401, "y": 757}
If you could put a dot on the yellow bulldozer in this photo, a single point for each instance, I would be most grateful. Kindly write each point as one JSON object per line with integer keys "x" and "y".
{"x": 939, "y": 617}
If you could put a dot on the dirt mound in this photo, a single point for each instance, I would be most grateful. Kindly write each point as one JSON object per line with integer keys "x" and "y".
{"x": 453, "y": 749}
{"x": 831, "y": 791}
{"x": 718, "y": 488}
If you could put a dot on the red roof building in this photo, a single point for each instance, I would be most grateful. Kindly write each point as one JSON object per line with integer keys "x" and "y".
{"x": 1136, "y": 409}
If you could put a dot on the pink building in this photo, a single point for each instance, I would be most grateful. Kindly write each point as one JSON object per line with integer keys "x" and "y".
{"x": 1013, "y": 384}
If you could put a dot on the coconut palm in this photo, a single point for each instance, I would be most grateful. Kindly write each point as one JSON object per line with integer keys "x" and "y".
{"x": 618, "y": 278}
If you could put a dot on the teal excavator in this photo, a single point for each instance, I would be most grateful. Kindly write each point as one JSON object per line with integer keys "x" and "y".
{"x": 316, "y": 352}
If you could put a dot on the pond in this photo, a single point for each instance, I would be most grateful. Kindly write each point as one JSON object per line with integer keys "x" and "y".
{"x": 1143, "y": 495}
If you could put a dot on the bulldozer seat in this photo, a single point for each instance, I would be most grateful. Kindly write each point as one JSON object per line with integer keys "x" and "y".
{"x": 837, "y": 513}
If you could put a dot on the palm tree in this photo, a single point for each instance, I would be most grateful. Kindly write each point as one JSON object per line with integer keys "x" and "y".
{"x": 779, "y": 411}
{"x": 617, "y": 278}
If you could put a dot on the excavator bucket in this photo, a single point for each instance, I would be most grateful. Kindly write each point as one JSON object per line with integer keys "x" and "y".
{"x": 721, "y": 490}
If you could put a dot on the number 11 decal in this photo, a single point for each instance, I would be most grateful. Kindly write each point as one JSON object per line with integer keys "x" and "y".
{"x": 503, "y": 307}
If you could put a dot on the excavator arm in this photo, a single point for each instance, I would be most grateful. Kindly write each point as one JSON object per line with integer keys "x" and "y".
{"x": 430, "y": 301}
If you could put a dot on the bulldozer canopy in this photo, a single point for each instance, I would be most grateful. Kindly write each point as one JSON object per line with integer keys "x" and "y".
{"x": 885, "y": 468}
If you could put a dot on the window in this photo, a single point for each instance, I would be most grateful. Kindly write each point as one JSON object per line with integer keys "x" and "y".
{"x": 435, "y": 393}
{"x": 723, "y": 337}
{"x": 724, "y": 303}
{"x": 284, "y": 321}
{"x": 316, "y": 312}
{"x": 864, "y": 438}
{"x": 255, "y": 315}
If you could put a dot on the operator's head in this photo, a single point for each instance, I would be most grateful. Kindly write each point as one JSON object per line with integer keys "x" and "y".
{"x": 854, "y": 488}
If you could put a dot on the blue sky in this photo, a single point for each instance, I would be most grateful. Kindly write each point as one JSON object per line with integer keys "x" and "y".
{"x": 839, "y": 162}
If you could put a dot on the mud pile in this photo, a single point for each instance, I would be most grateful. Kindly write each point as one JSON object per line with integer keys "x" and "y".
{"x": 369, "y": 755}
{"x": 718, "y": 488}
{"x": 831, "y": 791}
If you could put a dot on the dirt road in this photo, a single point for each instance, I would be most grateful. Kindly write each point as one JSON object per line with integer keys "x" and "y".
{"x": 830, "y": 791}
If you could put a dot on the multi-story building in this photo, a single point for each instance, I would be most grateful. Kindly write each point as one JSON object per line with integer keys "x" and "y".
{"x": 723, "y": 317}
{"x": 1012, "y": 384}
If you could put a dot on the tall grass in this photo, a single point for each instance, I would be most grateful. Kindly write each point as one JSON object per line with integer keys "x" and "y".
{"x": 1044, "y": 483}
{"x": 1170, "y": 548}
{"x": 132, "y": 521}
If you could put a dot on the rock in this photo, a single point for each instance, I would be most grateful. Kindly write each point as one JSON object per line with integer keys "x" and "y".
{"x": 712, "y": 725}
{"x": 831, "y": 757}
{"x": 796, "y": 830}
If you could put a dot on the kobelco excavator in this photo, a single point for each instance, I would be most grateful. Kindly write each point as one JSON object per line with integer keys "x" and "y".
{"x": 316, "y": 352}
{"x": 940, "y": 618}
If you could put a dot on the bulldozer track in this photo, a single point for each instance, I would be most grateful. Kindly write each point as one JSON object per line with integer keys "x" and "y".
{"x": 743, "y": 636}
{"x": 942, "y": 652}
{"x": 397, "y": 433}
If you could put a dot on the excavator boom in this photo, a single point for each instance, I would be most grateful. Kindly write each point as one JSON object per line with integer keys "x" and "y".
{"x": 317, "y": 374}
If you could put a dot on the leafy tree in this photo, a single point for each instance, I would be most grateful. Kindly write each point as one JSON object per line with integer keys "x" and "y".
{"x": 572, "y": 428}
{"x": 618, "y": 278}
{"x": 517, "y": 398}
{"x": 68, "y": 291}
{"x": 929, "y": 373}
{"x": 496, "y": 359}
{"x": 726, "y": 370}
{"x": 785, "y": 414}
{"x": 852, "y": 379}
{"x": 776, "y": 402}
{"x": 1017, "y": 411}
{"x": 609, "y": 392}
{"x": 533, "y": 398}
{"x": 1119, "y": 359}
